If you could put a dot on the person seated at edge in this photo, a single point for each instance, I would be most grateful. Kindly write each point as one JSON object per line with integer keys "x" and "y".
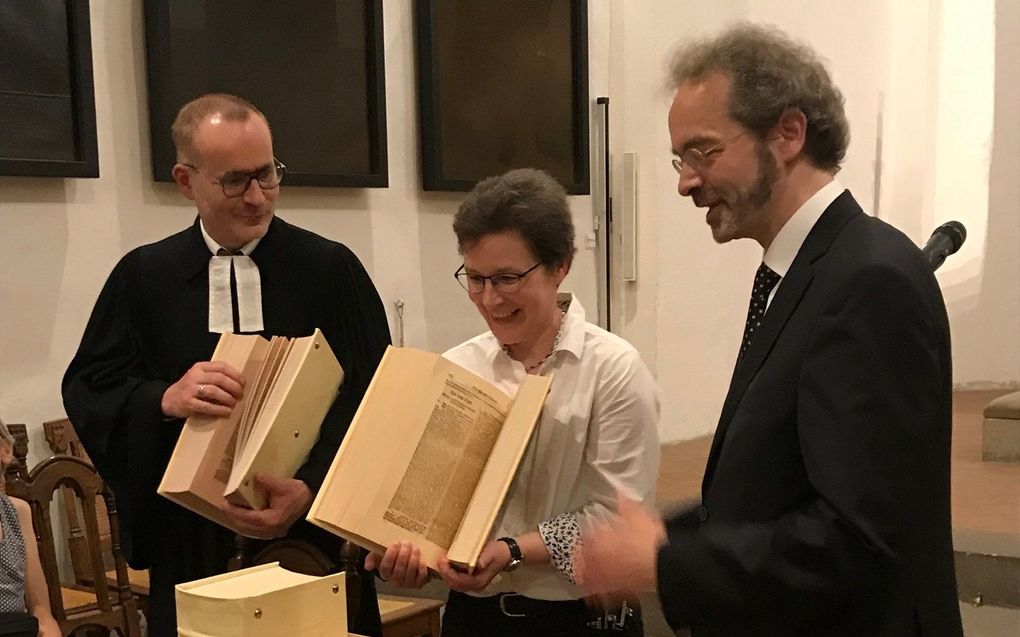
{"x": 597, "y": 433}
{"x": 24, "y": 599}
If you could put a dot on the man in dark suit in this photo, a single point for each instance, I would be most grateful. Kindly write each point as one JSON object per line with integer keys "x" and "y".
{"x": 143, "y": 365}
{"x": 825, "y": 502}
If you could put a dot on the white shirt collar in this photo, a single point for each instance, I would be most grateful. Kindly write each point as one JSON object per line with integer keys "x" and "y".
{"x": 571, "y": 340}
{"x": 214, "y": 247}
{"x": 784, "y": 248}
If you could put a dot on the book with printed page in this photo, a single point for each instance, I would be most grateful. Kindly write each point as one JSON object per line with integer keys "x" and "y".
{"x": 429, "y": 457}
{"x": 290, "y": 385}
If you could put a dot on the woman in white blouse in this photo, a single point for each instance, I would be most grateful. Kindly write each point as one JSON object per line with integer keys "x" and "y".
{"x": 597, "y": 433}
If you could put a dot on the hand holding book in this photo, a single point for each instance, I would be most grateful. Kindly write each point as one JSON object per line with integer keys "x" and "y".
{"x": 209, "y": 387}
{"x": 400, "y": 565}
{"x": 291, "y": 385}
{"x": 287, "y": 500}
{"x": 491, "y": 562}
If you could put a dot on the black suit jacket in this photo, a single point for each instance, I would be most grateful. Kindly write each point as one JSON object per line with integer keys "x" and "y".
{"x": 825, "y": 503}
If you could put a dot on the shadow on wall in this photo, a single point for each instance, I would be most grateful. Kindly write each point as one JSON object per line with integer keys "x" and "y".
{"x": 998, "y": 300}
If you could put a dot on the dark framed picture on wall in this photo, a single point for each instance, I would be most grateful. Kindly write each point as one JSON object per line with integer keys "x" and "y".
{"x": 314, "y": 68}
{"x": 502, "y": 85}
{"x": 47, "y": 98}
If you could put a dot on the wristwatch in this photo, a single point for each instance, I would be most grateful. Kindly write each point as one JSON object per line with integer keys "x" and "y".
{"x": 516, "y": 557}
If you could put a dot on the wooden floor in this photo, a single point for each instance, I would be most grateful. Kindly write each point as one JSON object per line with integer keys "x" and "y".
{"x": 986, "y": 495}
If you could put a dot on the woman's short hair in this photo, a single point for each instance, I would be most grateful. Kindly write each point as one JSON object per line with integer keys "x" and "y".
{"x": 769, "y": 73}
{"x": 527, "y": 201}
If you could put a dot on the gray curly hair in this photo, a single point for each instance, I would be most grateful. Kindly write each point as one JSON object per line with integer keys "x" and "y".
{"x": 771, "y": 73}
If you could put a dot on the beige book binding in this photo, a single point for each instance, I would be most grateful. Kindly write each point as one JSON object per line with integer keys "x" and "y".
{"x": 262, "y": 601}
{"x": 290, "y": 385}
{"x": 429, "y": 457}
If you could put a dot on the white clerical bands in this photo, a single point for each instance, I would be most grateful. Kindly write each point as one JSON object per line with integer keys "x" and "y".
{"x": 249, "y": 294}
{"x": 201, "y": 391}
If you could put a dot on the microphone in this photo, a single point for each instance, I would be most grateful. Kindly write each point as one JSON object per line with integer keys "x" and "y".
{"x": 946, "y": 240}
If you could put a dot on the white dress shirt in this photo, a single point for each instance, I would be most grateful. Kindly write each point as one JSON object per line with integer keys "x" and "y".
{"x": 249, "y": 288}
{"x": 784, "y": 248}
{"x": 598, "y": 433}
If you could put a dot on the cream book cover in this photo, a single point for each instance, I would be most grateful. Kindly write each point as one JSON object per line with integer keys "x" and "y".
{"x": 429, "y": 457}
{"x": 263, "y": 601}
{"x": 290, "y": 386}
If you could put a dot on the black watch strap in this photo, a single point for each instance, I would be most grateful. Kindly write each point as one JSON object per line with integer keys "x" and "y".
{"x": 516, "y": 556}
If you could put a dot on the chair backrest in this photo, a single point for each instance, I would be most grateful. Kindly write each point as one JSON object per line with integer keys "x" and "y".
{"x": 78, "y": 477}
{"x": 18, "y": 469}
{"x": 63, "y": 440}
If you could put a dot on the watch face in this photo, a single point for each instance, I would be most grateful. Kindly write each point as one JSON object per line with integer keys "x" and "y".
{"x": 514, "y": 563}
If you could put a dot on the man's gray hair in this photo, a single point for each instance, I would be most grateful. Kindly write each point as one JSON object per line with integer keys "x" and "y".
{"x": 771, "y": 73}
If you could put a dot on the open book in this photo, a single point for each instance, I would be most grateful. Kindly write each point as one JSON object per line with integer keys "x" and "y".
{"x": 266, "y": 600}
{"x": 291, "y": 384}
{"x": 428, "y": 458}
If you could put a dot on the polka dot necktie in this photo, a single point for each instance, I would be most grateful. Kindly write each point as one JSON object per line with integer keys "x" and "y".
{"x": 764, "y": 280}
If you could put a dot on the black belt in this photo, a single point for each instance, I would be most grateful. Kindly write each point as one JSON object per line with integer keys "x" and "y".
{"x": 516, "y": 605}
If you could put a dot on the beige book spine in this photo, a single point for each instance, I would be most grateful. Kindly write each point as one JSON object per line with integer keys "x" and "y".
{"x": 289, "y": 424}
{"x": 334, "y": 497}
{"x": 499, "y": 471}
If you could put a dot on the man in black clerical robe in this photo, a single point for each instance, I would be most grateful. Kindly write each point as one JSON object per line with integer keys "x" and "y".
{"x": 148, "y": 343}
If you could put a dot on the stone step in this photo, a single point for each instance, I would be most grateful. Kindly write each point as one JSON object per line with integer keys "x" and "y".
{"x": 987, "y": 568}
{"x": 1001, "y": 434}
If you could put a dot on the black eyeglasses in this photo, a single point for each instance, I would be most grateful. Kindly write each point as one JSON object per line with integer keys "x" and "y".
{"x": 235, "y": 183}
{"x": 698, "y": 159}
{"x": 504, "y": 282}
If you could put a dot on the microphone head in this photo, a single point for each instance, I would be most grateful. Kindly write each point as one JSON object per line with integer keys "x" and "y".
{"x": 955, "y": 231}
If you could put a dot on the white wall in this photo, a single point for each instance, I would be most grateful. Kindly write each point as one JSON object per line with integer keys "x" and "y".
{"x": 59, "y": 238}
{"x": 915, "y": 65}
{"x": 920, "y": 80}
{"x": 980, "y": 171}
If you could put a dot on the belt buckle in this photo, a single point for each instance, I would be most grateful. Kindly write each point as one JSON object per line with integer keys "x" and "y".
{"x": 502, "y": 605}
{"x": 609, "y": 621}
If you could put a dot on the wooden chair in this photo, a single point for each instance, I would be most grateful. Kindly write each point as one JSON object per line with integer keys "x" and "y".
{"x": 410, "y": 616}
{"x": 63, "y": 440}
{"x": 77, "y": 609}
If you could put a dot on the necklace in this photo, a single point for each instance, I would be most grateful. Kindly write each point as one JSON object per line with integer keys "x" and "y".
{"x": 556, "y": 341}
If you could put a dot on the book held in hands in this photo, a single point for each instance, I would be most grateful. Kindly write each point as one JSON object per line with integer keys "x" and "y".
{"x": 290, "y": 385}
{"x": 428, "y": 458}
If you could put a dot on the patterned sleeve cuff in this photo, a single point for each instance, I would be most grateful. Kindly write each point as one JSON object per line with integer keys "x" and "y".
{"x": 562, "y": 536}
